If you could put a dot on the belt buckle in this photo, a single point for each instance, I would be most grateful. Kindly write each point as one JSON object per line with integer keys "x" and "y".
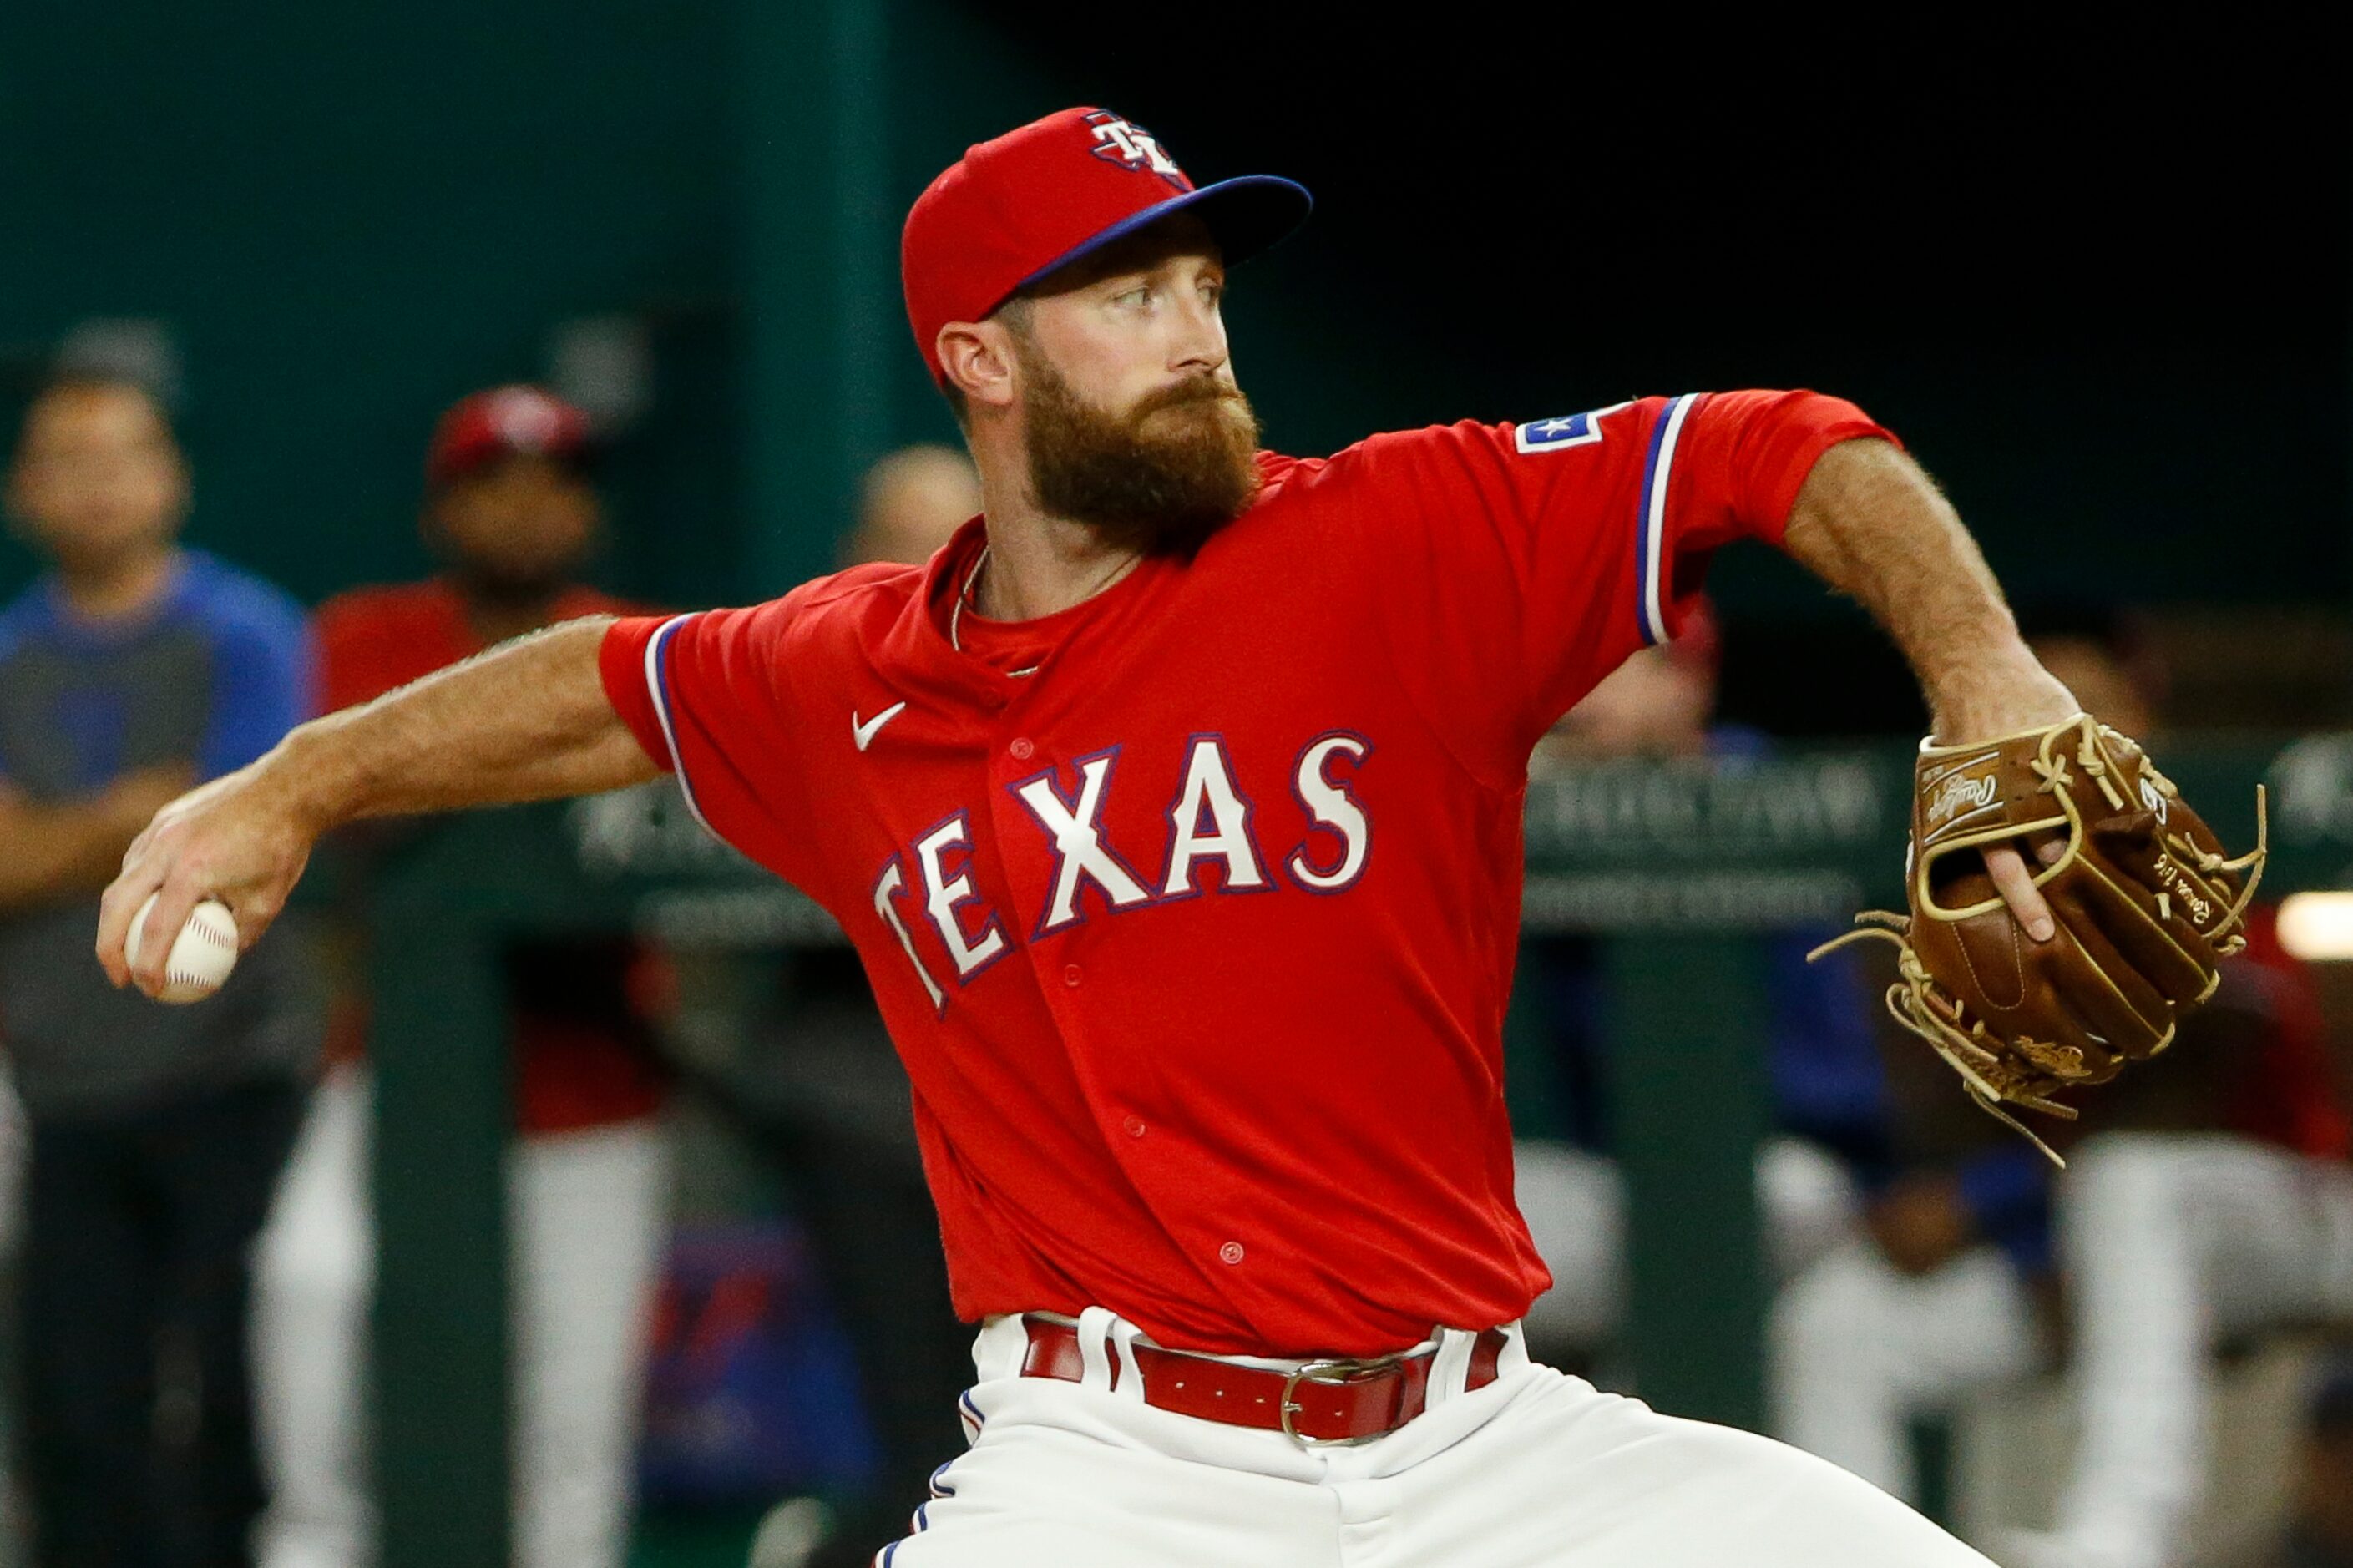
{"x": 1335, "y": 1372}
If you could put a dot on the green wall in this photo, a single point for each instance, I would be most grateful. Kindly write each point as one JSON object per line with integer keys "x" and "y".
{"x": 350, "y": 215}
{"x": 345, "y": 224}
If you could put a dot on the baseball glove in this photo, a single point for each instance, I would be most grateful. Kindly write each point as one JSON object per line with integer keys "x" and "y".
{"x": 2147, "y": 904}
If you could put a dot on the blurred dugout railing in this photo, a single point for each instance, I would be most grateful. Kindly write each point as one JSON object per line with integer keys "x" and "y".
{"x": 1671, "y": 864}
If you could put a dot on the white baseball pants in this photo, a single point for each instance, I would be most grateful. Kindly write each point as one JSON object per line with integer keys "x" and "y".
{"x": 586, "y": 1217}
{"x": 1535, "y": 1468}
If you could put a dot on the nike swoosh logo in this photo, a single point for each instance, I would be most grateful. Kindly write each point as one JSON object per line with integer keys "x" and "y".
{"x": 864, "y": 734}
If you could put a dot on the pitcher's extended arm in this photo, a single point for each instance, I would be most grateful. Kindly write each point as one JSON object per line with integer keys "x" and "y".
{"x": 527, "y": 721}
{"x": 1872, "y": 525}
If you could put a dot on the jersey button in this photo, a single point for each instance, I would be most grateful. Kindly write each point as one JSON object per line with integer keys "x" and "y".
{"x": 1071, "y": 974}
{"x": 1021, "y": 749}
{"x": 1231, "y": 1253}
{"x": 1134, "y": 1126}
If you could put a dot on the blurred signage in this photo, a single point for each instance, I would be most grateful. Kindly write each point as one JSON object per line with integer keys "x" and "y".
{"x": 777, "y": 915}
{"x": 645, "y": 830}
{"x": 1692, "y": 901}
{"x": 1810, "y": 805}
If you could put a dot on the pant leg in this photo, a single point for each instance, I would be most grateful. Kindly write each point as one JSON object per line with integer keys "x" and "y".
{"x": 217, "y": 1159}
{"x": 1554, "y": 1472}
{"x": 590, "y": 1213}
{"x": 313, "y": 1287}
{"x": 1538, "y": 1470}
{"x": 1859, "y": 1349}
{"x": 88, "y": 1339}
{"x": 1058, "y": 1474}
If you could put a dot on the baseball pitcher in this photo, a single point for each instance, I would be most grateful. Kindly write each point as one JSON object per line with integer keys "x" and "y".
{"x": 1174, "y": 809}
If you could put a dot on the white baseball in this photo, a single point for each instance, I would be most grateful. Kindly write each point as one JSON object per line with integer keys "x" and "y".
{"x": 202, "y": 954}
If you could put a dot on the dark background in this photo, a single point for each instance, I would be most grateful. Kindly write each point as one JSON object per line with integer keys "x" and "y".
{"x": 2094, "y": 278}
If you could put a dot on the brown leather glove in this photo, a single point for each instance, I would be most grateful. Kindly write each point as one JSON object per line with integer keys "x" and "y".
{"x": 2146, "y": 903}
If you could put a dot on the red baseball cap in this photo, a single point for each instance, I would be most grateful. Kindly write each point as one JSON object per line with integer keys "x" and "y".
{"x": 503, "y": 421}
{"x": 1034, "y": 200}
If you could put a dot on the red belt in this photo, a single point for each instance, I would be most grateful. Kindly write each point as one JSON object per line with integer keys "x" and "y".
{"x": 1331, "y": 1400}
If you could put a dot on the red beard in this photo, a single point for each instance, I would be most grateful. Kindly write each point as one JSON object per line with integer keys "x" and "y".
{"x": 1159, "y": 478}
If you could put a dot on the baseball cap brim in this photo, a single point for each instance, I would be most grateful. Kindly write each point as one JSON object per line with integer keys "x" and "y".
{"x": 1246, "y": 214}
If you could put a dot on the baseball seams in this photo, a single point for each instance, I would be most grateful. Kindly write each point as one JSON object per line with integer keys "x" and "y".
{"x": 207, "y": 943}
{"x": 203, "y": 952}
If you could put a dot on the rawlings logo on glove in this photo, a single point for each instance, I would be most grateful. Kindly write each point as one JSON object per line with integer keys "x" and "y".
{"x": 2146, "y": 905}
{"x": 1952, "y": 794}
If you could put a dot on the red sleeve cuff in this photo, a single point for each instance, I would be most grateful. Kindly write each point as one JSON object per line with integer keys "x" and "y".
{"x": 1782, "y": 445}
{"x": 628, "y": 660}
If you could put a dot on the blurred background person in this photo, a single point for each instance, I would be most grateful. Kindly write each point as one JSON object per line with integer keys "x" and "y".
{"x": 1830, "y": 1104}
{"x": 512, "y": 515}
{"x": 1935, "y": 1295}
{"x": 908, "y": 502}
{"x": 130, "y": 670}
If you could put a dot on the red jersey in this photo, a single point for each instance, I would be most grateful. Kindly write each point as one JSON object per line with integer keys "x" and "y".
{"x": 575, "y": 1066}
{"x": 1193, "y": 907}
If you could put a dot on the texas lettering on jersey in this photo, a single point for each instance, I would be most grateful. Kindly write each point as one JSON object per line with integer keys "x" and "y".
{"x": 1192, "y": 909}
{"x": 1208, "y": 827}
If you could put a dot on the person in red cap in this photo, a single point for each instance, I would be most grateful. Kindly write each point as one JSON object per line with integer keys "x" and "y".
{"x": 512, "y": 514}
{"x": 1174, "y": 807}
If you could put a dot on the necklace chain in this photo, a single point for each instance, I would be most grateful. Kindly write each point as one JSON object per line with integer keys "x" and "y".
{"x": 963, "y": 598}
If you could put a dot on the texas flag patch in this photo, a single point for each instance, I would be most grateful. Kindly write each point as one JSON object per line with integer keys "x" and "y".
{"x": 1570, "y": 430}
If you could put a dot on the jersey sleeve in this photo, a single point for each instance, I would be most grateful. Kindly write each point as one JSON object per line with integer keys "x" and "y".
{"x": 1518, "y": 565}
{"x": 708, "y": 697}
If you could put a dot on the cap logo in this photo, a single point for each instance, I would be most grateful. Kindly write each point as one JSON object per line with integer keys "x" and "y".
{"x": 1119, "y": 140}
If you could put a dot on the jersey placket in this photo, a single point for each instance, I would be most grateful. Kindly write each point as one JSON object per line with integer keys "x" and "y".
{"x": 1020, "y": 752}
{"x": 1023, "y": 750}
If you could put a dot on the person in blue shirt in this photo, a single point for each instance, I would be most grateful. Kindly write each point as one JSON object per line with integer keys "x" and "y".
{"x": 130, "y": 670}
